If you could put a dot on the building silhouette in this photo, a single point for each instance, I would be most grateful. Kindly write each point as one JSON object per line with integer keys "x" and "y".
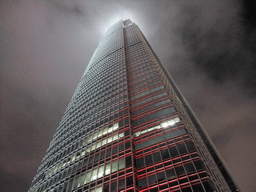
{"x": 128, "y": 128}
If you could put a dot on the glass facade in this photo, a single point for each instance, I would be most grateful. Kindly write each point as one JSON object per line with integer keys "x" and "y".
{"x": 128, "y": 128}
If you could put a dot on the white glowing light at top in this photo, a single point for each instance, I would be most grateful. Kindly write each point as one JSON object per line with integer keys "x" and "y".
{"x": 114, "y": 17}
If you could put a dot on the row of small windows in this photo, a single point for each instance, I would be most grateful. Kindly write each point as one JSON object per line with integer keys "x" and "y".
{"x": 101, "y": 54}
{"x": 104, "y": 142}
{"x": 108, "y": 47}
{"x": 105, "y": 55}
{"x": 147, "y": 79}
{"x": 110, "y": 44}
{"x": 149, "y": 75}
{"x": 104, "y": 70}
{"x": 142, "y": 62}
{"x": 80, "y": 134}
{"x": 137, "y": 48}
{"x": 144, "y": 86}
{"x": 142, "y": 77}
{"x": 149, "y": 99}
{"x": 113, "y": 92}
{"x": 114, "y": 186}
{"x": 101, "y": 132}
{"x": 134, "y": 58}
{"x": 164, "y": 154}
{"x": 94, "y": 158}
{"x": 92, "y": 174}
{"x": 159, "y": 103}
{"x": 163, "y": 175}
{"x": 115, "y": 56}
{"x": 139, "y": 53}
{"x": 107, "y": 70}
{"x": 134, "y": 75}
{"x": 60, "y": 140}
{"x": 139, "y": 65}
{"x": 138, "y": 62}
{"x": 121, "y": 123}
{"x": 165, "y": 124}
{"x": 113, "y": 60}
{"x": 152, "y": 116}
{"x": 154, "y": 131}
{"x": 95, "y": 118}
{"x": 160, "y": 138}
{"x": 87, "y": 162}
{"x": 90, "y": 104}
{"x": 76, "y": 132}
{"x": 133, "y": 50}
{"x": 174, "y": 186}
{"x": 112, "y": 112}
{"x": 96, "y": 66}
{"x": 147, "y": 92}
{"x": 136, "y": 53}
{"x": 101, "y": 99}
{"x": 108, "y": 64}
{"x": 108, "y": 81}
{"x": 105, "y": 84}
{"x": 169, "y": 174}
{"x": 131, "y": 36}
{"x": 88, "y": 115}
{"x": 114, "y": 105}
{"x": 129, "y": 32}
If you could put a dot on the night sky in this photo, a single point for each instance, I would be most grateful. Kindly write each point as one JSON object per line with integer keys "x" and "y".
{"x": 208, "y": 47}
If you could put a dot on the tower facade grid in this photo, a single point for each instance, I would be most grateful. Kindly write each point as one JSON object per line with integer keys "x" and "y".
{"x": 128, "y": 128}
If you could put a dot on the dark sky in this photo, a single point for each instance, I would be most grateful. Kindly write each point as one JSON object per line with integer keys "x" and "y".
{"x": 208, "y": 46}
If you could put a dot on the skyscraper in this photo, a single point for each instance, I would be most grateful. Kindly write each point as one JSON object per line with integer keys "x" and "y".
{"x": 128, "y": 128}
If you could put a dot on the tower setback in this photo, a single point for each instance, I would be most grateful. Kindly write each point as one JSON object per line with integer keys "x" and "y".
{"x": 128, "y": 128}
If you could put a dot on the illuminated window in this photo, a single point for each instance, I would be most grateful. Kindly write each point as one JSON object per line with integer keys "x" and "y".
{"x": 162, "y": 125}
{"x": 160, "y": 138}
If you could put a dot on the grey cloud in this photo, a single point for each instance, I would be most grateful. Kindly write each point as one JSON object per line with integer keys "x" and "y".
{"x": 220, "y": 48}
{"x": 66, "y": 7}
